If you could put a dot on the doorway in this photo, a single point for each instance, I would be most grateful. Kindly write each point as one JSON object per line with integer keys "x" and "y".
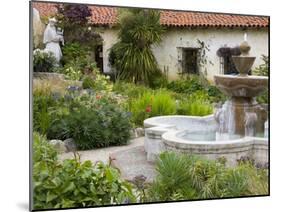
{"x": 99, "y": 57}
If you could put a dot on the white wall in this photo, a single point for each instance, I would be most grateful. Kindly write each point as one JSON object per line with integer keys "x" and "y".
{"x": 167, "y": 52}
{"x": 109, "y": 39}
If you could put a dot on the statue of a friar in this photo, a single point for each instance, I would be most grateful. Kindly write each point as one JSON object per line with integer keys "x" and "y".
{"x": 52, "y": 39}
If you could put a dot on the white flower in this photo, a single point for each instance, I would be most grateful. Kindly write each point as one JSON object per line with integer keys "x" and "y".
{"x": 89, "y": 28}
{"x": 37, "y": 51}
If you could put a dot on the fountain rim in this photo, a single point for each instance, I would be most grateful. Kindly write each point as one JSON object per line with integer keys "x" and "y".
{"x": 171, "y": 137}
{"x": 244, "y": 56}
{"x": 152, "y": 122}
{"x": 242, "y": 77}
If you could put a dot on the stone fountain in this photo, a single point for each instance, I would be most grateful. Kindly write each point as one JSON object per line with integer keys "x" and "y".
{"x": 241, "y": 115}
{"x": 236, "y": 130}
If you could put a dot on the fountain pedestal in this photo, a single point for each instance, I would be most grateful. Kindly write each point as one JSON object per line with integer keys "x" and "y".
{"x": 241, "y": 115}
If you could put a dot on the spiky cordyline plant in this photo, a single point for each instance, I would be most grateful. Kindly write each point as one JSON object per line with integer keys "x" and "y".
{"x": 132, "y": 56}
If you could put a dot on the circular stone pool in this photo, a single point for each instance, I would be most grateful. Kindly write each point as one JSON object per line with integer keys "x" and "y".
{"x": 197, "y": 135}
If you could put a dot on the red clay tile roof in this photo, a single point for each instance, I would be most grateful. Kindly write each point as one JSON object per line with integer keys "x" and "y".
{"x": 45, "y": 9}
{"x": 102, "y": 15}
{"x": 175, "y": 18}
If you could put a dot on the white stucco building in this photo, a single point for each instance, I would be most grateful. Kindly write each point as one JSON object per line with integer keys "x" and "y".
{"x": 191, "y": 40}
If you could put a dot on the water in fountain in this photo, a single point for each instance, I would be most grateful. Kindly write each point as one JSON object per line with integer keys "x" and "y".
{"x": 241, "y": 115}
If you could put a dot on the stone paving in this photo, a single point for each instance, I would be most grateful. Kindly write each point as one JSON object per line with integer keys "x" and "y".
{"x": 129, "y": 159}
{"x": 102, "y": 154}
{"x": 132, "y": 162}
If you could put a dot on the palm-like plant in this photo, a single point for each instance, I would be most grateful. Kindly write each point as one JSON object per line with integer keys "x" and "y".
{"x": 185, "y": 177}
{"x": 132, "y": 56}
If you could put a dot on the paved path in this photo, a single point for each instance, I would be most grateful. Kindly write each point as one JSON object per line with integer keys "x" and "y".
{"x": 132, "y": 162}
{"x": 129, "y": 159}
{"x": 102, "y": 154}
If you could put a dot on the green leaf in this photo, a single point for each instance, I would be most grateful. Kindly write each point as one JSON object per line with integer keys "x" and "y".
{"x": 83, "y": 190}
{"x": 56, "y": 181}
{"x": 51, "y": 196}
{"x": 109, "y": 175}
{"x": 68, "y": 187}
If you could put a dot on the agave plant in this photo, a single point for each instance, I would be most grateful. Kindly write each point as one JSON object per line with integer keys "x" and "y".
{"x": 132, "y": 56}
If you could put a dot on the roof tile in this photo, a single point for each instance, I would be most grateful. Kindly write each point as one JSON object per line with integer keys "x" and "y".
{"x": 102, "y": 15}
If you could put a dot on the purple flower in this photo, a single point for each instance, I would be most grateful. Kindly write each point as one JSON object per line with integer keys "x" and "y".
{"x": 73, "y": 88}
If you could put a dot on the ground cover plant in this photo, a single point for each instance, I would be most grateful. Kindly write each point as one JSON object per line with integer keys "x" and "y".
{"x": 71, "y": 183}
{"x": 43, "y": 61}
{"x": 187, "y": 177}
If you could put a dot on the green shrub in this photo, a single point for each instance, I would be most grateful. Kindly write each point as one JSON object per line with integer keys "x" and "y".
{"x": 188, "y": 85}
{"x": 162, "y": 104}
{"x": 263, "y": 97}
{"x": 72, "y": 70}
{"x": 44, "y": 109}
{"x": 194, "y": 108}
{"x": 93, "y": 119}
{"x": 92, "y": 122}
{"x": 102, "y": 82}
{"x": 195, "y": 104}
{"x": 187, "y": 177}
{"x": 132, "y": 56}
{"x": 129, "y": 89}
{"x": 198, "y": 85}
{"x": 75, "y": 69}
{"x": 43, "y": 61}
{"x": 77, "y": 61}
{"x": 42, "y": 150}
{"x": 151, "y": 104}
{"x": 172, "y": 178}
{"x": 263, "y": 69}
{"x": 141, "y": 108}
{"x": 158, "y": 80}
{"x": 88, "y": 82}
{"x": 214, "y": 94}
{"x": 71, "y": 183}
{"x": 73, "y": 52}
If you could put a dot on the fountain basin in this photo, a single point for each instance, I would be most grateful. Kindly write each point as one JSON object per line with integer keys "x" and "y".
{"x": 240, "y": 85}
{"x": 197, "y": 135}
{"x": 155, "y": 127}
{"x": 232, "y": 150}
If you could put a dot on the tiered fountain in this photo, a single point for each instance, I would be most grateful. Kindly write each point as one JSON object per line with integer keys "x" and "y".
{"x": 234, "y": 131}
{"x": 241, "y": 115}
